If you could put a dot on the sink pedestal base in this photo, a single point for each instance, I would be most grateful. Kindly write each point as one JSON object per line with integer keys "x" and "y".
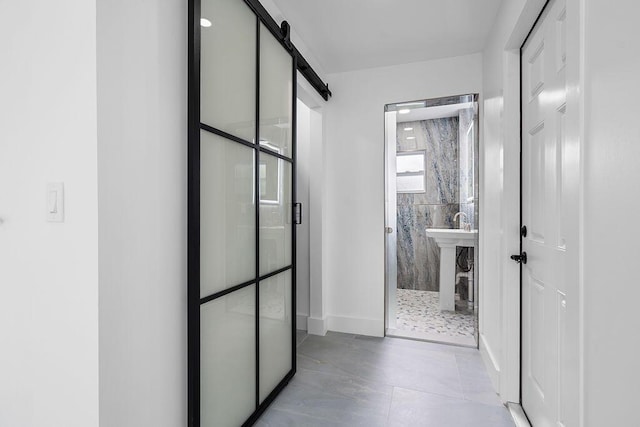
{"x": 447, "y": 276}
{"x": 447, "y": 240}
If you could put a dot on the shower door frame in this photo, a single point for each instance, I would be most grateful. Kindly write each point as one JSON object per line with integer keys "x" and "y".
{"x": 390, "y": 210}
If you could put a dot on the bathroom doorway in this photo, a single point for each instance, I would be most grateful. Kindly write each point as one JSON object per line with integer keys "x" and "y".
{"x": 431, "y": 216}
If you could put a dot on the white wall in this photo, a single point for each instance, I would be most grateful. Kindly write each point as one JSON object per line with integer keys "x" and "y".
{"x": 48, "y": 271}
{"x": 354, "y": 233}
{"x": 303, "y": 166}
{"x": 611, "y": 174}
{"x": 318, "y": 252}
{"x": 142, "y": 130}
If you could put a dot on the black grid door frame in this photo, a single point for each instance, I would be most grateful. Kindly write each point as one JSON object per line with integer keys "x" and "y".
{"x": 195, "y": 126}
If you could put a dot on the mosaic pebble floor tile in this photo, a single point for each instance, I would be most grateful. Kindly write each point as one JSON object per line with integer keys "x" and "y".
{"x": 419, "y": 311}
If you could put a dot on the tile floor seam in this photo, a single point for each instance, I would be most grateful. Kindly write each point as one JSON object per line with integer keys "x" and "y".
{"x": 301, "y": 341}
{"x": 393, "y": 390}
{"x": 350, "y": 373}
{"x": 464, "y": 395}
{"x": 447, "y": 396}
{"x": 452, "y": 398}
{"x": 350, "y": 377}
{"x": 288, "y": 411}
{"x": 328, "y": 364}
{"x": 420, "y": 403}
{"x": 334, "y": 376}
{"x": 385, "y": 383}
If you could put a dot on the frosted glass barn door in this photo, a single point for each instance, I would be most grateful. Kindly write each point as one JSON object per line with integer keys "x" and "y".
{"x": 276, "y": 229}
{"x": 241, "y": 233}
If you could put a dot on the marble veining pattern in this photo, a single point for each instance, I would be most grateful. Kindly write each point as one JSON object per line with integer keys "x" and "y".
{"x": 438, "y": 138}
{"x": 420, "y": 311}
{"x": 419, "y": 255}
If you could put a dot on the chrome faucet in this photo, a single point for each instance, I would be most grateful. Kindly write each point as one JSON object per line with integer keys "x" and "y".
{"x": 462, "y": 225}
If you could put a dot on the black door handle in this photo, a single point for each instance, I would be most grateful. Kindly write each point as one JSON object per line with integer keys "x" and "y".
{"x": 522, "y": 258}
{"x": 297, "y": 213}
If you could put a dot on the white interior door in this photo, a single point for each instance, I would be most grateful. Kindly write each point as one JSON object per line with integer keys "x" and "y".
{"x": 544, "y": 295}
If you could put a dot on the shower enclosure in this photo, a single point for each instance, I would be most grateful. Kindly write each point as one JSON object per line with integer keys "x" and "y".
{"x": 431, "y": 175}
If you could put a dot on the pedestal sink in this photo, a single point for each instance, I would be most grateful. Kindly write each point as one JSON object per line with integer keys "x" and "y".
{"x": 447, "y": 240}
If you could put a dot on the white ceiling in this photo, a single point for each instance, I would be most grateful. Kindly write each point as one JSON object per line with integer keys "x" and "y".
{"x": 348, "y": 35}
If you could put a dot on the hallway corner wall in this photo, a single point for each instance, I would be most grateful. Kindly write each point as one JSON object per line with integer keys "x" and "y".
{"x": 610, "y": 242}
{"x": 48, "y": 271}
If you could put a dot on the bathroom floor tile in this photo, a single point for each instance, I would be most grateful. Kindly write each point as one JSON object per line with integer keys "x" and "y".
{"x": 351, "y": 380}
{"x": 300, "y": 337}
{"x": 415, "y": 408}
{"x": 418, "y": 316}
{"x": 336, "y": 399}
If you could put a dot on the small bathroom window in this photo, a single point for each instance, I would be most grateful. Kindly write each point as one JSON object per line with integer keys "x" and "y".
{"x": 410, "y": 174}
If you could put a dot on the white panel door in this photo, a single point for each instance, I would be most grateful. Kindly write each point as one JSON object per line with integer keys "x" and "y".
{"x": 544, "y": 296}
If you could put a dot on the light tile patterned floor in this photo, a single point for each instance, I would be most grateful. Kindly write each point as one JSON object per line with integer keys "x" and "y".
{"x": 419, "y": 311}
{"x": 351, "y": 380}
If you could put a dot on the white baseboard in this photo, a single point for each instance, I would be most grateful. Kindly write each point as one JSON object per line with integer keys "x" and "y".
{"x": 301, "y": 322}
{"x": 356, "y": 325}
{"x": 519, "y": 418}
{"x": 493, "y": 368}
{"x": 317, "y": 326}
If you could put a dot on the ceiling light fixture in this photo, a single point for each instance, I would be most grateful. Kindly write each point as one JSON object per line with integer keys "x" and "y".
{"x": 411, "y": 137}
{"x": 404, "y": 111}
{"x": 204, "y": 22}
{"x": 408, "y": 129}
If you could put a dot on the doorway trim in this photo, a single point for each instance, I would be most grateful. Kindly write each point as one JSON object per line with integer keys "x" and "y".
{"x": 506, "y": 376}
{"x": 315, "y": 321}
{"x": 390, "y": 205}
{"x": 504, "y": 366}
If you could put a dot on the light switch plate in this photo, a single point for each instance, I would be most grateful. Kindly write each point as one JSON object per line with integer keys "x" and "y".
{"x": 55, "y": 202}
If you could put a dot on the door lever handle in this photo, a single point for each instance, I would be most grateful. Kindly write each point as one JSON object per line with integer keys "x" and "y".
{"x": 522, "y": 258}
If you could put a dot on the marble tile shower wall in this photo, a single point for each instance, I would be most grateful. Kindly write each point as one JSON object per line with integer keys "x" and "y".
{"x": 419, "y": 255}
